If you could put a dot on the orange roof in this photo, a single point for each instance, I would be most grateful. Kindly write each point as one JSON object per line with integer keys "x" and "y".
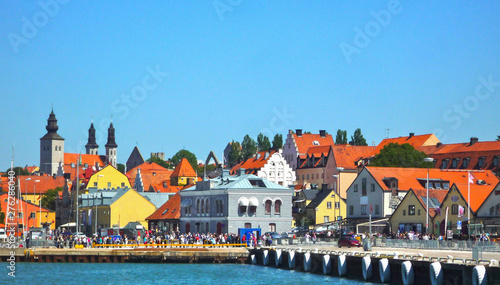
{"x": 89, "y": 159}
{"x": 471, "y": 152}
{"x": 412, "y": 178}
{"x": 306, "y": 141}
{"x": 184, "y": 169}
{"x": 171, "y": 210}
{"x": 151, "y": 173}
{"x": 433, "y": 193}
{"x": 253, "y": 164}
{"x": 478, "y": 193}
{"x": 415, "y": 141}
{"x": 27, "y": 208}
{"x": 165, "y": 187}
{"x": 347, "y": 155}
{"x": 31, "y": 169}
{"x": 45, "y": 183}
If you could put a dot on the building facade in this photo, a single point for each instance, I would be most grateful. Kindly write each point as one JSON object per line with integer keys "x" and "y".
{"x": 226, "y": 203}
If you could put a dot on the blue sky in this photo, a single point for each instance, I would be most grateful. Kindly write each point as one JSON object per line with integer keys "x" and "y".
{"x": 198, "y": 74}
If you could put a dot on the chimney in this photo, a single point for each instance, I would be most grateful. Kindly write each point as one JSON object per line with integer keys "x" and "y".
{"x": 411, "y": 135}
{"x": 324, "y": 186}
{"x": 298, "y": 132}
{"x": 322, "y": 133}
{"x": 225, "y": 173}
{"x": 473, "y": 140}
{"x": 439, "y": 144}
{"x": 241, "y": 171}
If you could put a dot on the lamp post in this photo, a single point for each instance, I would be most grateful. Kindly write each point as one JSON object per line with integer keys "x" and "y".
{"x": 339, "y": 170}
{"x": 34, "y": 195}
{"x": 427, "y": 159}
{"x": 95, "y": 196}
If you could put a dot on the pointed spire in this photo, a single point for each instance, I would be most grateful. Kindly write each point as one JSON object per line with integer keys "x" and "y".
{"x": 52, "y": 127}
{"x": 92, "y": 139}
{"x": 111, "y": 137}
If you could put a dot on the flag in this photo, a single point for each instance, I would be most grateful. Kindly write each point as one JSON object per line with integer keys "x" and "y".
{"x": 438, "y": 211}
{"x": 471, "y": 179}
{"x": 39, "y": 197}
{"x": 460, "y": 211}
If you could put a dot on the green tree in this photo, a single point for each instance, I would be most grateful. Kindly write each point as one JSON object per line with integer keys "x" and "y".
{"x": 160, "y": 162}
{"x": 498, "y": 138}
{"x": 263, "y": 143}
{"x": 121, "y": 167}
{"x": 49, "y": 198}
{"x": 341, "y": 137}
{"x": 183, "y": 153}
{"x": 235, "y": 155}
{"x": 249, "y": 147}
{"x": 400, "y": 155}
{"x": 18, "y": 170}
{"x": 357, "y": 138}
{"x": 278, "y": 141}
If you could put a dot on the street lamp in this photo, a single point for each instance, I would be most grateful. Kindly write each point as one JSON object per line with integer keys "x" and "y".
{"x": 339, "y": 169}
{"x": 34, "y": 195}
{"x": 427, "y": 159}
{"x": 95, "y": 196}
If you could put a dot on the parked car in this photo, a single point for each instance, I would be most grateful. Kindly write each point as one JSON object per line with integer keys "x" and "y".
{"x": 288, "y": 235}
{"x": 349, "y": 241}
{"x": 274, "y": 235}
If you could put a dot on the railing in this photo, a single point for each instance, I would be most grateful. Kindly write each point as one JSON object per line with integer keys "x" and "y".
{"x": 464, "y": 245}
{"x": 169, "y": 245}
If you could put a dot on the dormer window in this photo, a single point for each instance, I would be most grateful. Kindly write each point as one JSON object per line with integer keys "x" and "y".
{"x": 465, "y": 162}
{"x": 444, "y": 164}
{"x": 454, "y": 162}
{"x": 315, "y": 142}
{"x": 495, "y": 161}
{"x": 481, "y": 161}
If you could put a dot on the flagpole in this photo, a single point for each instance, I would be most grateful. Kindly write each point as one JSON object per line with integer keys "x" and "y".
{"x": 468, "y": 203}
{"x": 77, "y": 186}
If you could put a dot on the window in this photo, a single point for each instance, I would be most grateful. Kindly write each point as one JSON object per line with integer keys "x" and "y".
{"x": 454, "y": 209}
{"x": 277, "y": 207}
{"x": 326, "y": 219}
{"x": 495, "y": 161}
{"x": 243, "y": 209}
{"x": 372, "y": 187}
{"x": 268, "y": 206}
{"x": 355, "y": 187}
{"x": 377, "y": 209}
{"x": 328, "y": 205}
{"x": 20, "y": 215}
{"x": 481, "y": 161}
{"x": 252, "y": 209}
{"x": 272, "y": 227}
{"x": 419, "y": 212}
{"x": 351, "y": 210}
{"x": 32, "y": 215}
{"x": 363, "y": 187}
{"x": 404, "y": 212}
{"x": 248, "y": 225}
{"x": 363, "y": 209}
{"x": 109, "y": 184}
{"x": 95, "y": 184}
{"x": 123, "y": 184}
{"x": 302, "y": 176}
{"x": 444, "y": 164}
{"x": 465, "y": 162}
{"x": 492, "y": 211}
{"x": 411, "y": 210}
{"x": 337, "y": 205}
{"x": 307, "y": 176}
{"x": 454, "y": 162}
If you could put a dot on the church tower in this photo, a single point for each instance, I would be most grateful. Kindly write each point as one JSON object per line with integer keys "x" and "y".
{"x": 111, "y": 146}
{"x": 51, "y": 147}
{"x": 91, "y": 147}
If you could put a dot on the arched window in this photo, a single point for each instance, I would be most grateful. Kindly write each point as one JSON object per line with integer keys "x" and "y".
{"x": 268, "y": 206}
{"x": 198, "y": 206}
{"x": 207, "y": 206}
{"x": 277, "y": 207}
{"x": 203, "y": 206}
{"x": 221, "y": 207}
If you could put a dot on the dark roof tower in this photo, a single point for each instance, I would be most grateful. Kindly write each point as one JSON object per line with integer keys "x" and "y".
{"x": 111, "y": 137}
{"x": 52, "y": 128}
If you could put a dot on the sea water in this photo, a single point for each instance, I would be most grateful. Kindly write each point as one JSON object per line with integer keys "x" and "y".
{"x": 153, "y": 273}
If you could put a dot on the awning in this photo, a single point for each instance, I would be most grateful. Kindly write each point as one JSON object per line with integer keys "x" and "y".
{"x": 68, "y": 225}
{"x": 299, "y": 201}
{"x": 254, "y": 202}
{"x": 243, "y": 201}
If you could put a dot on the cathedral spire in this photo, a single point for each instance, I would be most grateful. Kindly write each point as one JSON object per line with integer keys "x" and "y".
{"x": 92, "y": 146}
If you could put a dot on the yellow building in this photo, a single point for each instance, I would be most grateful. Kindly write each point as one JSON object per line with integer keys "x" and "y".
{"x": 108, "y": 178}
{"x": 115, "y": 208}
{"x": 411, "y": 213}
{"x": 326, "y": 208}
{"x": 183, "y": 174}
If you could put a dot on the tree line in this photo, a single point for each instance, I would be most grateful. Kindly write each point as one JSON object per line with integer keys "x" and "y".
{"x": 249, "y": 147}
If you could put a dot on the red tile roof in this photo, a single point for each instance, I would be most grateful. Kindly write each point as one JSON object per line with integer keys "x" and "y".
{"x": 184, "y": 169}
{"x": 347, "y": 155}
{"x": 151, "y": 173}
{"x": 416, "y": 141}
{"x": 31, "y": 169}
{"x": 472, "y": 152}
{"x": 306, "y": 141}
{"x": 46, "y": 183}
{"x": 253, "y": 164}
{"x": 171, "y": 210}
{"x": 408, "y": 178}
{"x": 89, "y": 159}
{"x": 27, "y": 208}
